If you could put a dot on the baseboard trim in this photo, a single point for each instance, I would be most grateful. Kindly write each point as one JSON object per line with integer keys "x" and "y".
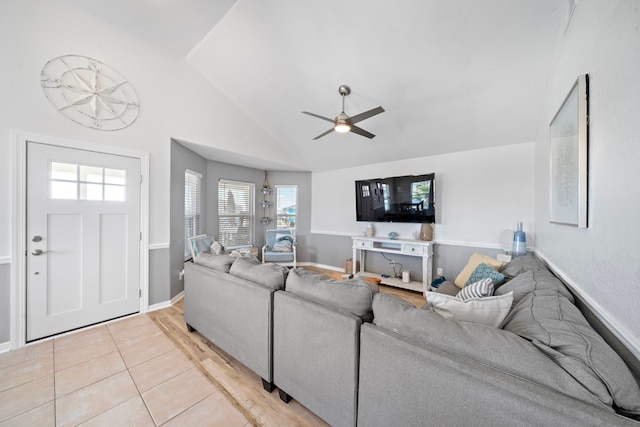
{"x": 5, "y": 346}
{"x": 165, "y": 304}
{"x": 154, "y": 246}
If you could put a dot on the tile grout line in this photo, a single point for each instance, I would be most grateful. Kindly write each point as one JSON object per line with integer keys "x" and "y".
{"x": 198, "y": 364}
{"x": 144, "y": 402}
{"x": 55, "y": 403}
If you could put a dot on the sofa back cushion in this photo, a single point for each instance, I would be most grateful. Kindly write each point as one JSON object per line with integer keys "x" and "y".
{"x": 220, "y": 263}
{"x": 553, "y": 324}
{"x": 521, "y": 264}
{"x": 533, "y": 280}
{"x": 488, "y": 346}
{"x": 271, "y": 276}
{"x": 353, "y": 295}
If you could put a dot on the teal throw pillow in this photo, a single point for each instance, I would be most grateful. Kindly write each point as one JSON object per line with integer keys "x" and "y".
{"x": 483, "y": 271}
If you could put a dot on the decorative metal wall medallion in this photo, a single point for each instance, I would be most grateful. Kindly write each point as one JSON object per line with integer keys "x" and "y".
{"x": 89, "y": 92}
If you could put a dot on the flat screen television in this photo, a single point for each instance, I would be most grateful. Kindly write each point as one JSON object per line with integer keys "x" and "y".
{"x": 407, "y": 198}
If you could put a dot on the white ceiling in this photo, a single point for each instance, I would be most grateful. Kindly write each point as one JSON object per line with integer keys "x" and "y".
{"x": 452, "y": 75}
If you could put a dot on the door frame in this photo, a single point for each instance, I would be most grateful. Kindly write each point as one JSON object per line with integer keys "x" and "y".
{"x": 19, "y": 222}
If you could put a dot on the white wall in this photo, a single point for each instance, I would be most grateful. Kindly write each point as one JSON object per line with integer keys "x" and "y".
{"x": 602, "y": 261}
{"x": 175, "y": 101}
{"x": 478, "y": 194}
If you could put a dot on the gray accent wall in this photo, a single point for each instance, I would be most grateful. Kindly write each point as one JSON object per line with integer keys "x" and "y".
{"x": 334, "y": 250}
{"x": 5, "y": 303}
{"x": 181, "y": 159}
{"x": 219, "y": 170}
{"x": 159, "y": 281}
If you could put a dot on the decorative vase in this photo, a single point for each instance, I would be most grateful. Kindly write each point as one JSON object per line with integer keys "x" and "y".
{"x": 426, "y": 232}
{"x": 519, "y": 242}
{"x": 370, "y": 231}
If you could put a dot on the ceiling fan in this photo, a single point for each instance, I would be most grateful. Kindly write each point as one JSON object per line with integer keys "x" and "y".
{"x": 343, "y": 123}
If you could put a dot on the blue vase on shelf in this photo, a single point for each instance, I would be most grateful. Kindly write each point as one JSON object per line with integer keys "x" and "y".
{"x": 519, "y": 242}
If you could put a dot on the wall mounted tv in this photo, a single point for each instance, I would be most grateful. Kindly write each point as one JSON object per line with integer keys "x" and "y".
{"x": 396, "y": 199}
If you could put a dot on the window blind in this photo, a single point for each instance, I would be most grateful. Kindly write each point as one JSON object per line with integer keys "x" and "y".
{"x": 192, "y": 182}
{"x": 236, "y": 202}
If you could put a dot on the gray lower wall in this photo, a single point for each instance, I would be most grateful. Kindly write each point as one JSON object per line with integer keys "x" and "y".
{"x": 5, "y": 303}
{"x": 331, "y": 250}
{"x": 159, "y": 284}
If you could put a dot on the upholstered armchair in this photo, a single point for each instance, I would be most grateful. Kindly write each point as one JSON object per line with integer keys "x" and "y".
{"x": 280, "y": 247}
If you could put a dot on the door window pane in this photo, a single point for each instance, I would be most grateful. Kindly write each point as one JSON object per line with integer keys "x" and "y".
{"x": 90, "y": 173}
{"x": 71, "y": 181}
{"x": 115, "y": 176}
{"x": 64, "y": 171}
{"x": 64, "y": 190}
{"x": 90, "y": 191}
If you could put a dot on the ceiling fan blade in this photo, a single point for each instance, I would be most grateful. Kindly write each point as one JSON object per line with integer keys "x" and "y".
{"x": 325, "y": 133}
{"x": 320, "y": 117}
{"x": 360, "y": 117}
{"x": 360, "y": 131}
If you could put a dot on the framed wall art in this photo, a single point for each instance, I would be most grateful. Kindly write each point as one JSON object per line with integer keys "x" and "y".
{"x": 568, "y": 157}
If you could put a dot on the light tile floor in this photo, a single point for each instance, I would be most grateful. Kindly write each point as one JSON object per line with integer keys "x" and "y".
{"x": 125, "y": 373}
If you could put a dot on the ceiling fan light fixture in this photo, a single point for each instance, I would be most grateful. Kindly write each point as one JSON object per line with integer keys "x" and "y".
{"x": 342, "y": 128}
{"x": 342, "y": 124}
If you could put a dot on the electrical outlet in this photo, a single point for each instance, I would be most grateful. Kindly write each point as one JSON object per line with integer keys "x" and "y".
{"x": 438, "y": 271}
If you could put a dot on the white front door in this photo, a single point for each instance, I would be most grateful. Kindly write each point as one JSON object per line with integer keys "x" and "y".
{"x": 83, "y": 237}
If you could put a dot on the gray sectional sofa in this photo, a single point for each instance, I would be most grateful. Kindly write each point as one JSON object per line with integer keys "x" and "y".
{"x": 354, "y": 356}
{"x": 229, "y": 300}
{"x": 316, "y": 332}
{"x": 545, "y": 365}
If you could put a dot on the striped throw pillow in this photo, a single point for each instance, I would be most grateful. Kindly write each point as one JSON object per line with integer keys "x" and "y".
{"x": 482, "y": 288}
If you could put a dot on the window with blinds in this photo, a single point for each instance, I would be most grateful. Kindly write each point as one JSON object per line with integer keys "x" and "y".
{"x": 236, "y": 202}
{"x": 192, "y": 183}
{"x": 286, "y": 206}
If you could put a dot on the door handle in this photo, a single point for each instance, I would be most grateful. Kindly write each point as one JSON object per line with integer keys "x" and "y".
{"x": 37, "y": 252}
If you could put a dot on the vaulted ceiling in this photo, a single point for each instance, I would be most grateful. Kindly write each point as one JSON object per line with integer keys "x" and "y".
{"x": 452, "y": 75}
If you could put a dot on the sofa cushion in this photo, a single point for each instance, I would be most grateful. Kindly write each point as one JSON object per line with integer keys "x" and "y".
{"x": 352, "y": 295}
{"x": 448, "y": 288}
{"x": 521, "y": 264}
{"x": 484, "y": 271}
{"x": 216, "y": 262}
{"x": 533, "y": 280}
{"x": 271, "y": 276}
{"x": 489, "y": 311}
{"x": 558, "y": 328}
{"x": 473, "y": 262}
{"x": 490, "y": 347}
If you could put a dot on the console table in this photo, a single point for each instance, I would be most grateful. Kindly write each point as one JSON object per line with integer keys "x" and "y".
{"x": 415, "y": 248}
